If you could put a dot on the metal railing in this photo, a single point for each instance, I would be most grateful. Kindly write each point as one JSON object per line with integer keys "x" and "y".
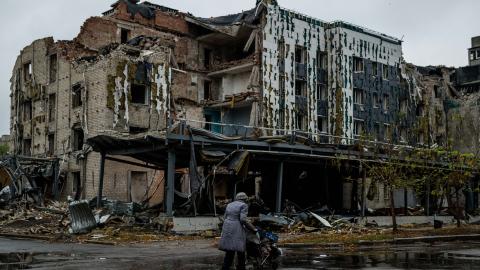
{"x": 312, "y": 135}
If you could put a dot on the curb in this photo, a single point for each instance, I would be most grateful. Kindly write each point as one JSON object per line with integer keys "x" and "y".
{"x": 25, "y": 236}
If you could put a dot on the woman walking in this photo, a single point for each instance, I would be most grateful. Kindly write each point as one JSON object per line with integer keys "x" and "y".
{"x": 234, "y": 238}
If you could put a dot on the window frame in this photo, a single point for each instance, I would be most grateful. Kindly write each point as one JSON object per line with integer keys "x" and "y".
{"x": 77, "y": 93}
{"x": 375, "y": 69}
{"x": 385, "y": 72}
{"x": 362, "y": 96}
{"x": 358, "y": 65}
{"x": 322, "y": 124}
{"x": 386, "y": 102}
{"x": 355, "y": 128}
{"x": 322, "y": 92}
{"x": 134, "y": 88}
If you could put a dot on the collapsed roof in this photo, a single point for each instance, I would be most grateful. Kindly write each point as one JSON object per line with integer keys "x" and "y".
{"x": 247, "y": 17}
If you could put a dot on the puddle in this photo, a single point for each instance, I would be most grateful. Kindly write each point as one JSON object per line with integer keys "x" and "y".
{"x": 418, "y": 256}
{"x": 413, "y": 258}
{"x": 26, "y": 260}
{"x": 15, "y": 261}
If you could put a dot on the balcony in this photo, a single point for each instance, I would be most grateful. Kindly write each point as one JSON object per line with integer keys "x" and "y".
{"x": 300, "y": 71}
{"x": 301, "y": 104}
{"x": 322, "y": 76}
{"x": 359, "y": 111}
{"x": 322, "y": 107}
{"x": 281, "y": 65}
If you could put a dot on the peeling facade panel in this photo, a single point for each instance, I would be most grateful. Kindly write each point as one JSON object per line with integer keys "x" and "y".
{"x": 283, "y": 32}
{"x": 345, "y": 45}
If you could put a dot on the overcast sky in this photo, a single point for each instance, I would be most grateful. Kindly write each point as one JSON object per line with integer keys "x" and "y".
{"x": 435, "y": 32}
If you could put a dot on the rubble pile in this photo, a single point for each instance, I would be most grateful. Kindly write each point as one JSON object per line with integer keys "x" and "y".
{"x": 218, "y": 65}
{"x": 117, "y": 222}
{"x": 24, "y": 218}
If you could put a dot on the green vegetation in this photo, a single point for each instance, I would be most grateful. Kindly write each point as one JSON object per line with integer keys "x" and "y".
{"x": 3, "y": 149}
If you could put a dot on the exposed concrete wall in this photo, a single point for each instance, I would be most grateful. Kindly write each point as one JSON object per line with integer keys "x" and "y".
{"x": 52, "y": 99}
{"x": 345, "y": 44}
{"x": 235, "y": 84}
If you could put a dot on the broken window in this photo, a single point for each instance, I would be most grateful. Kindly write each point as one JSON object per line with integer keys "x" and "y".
{"x": 358, "y": 96}
{"x": 387, "y": 135}
{"x": 207, "y": 58}
{"x": 421, "y": 139}
{"x": 76, "y": 185}
{"x": 357, "y": 64}
{"x": 281, "y": 119}
{"x": 322, "y": 92}
{"x": 420, "y": 110}
{"x": 300, "y": 55}
{"x": 322, "y": 124}
{"x": 282, "y": 87}
{"x": 385, "y": 72}
{"x": 51, "y": 107}
{"x": 376, "y": 130}
{"x": 208, "y": 122}
{"x": 51, "y": 144}
{"x": 27, "y": 111}
{"x": 403, "y": 106}
{"x": 385, "y": 102}
{"x": 77, "y": 90}
{"x": 403, "y": 134}
{"x": 300, "y": 122}
{"x": 53, "y": 68}
{"x": 27, "y": 147}
{"x": 78, "y": 139}
{"x": 281, "y": 49}
{"x": 27, "y": 71}
{"x": 478, "y": 54}
{"x": 374, "y": 68}
{"x": 137, "y": 130}
{"x": 358, "y": 127}
{"x": 207, "y": 90}
{"x": 322, "y": 60}
{"x": 140, "y": 94}
{"x": 376, "y": 100}
{"x": 436, "y": 91}
{"x": 386, "y": 192}
{"x": 124, "y": 35}
{"x": 300, "y": 88}
{"x": 212, "y": 117}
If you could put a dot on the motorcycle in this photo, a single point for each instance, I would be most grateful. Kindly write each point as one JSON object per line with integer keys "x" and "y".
{"x": 262, "y": 249}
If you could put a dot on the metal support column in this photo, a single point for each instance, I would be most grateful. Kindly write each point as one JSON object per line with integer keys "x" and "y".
{"x": 170, "y": 188}
{"x": 427, "y": 199}
{"x": 278, "y": 205}
{"x": 100, "y": 182}
{"x": 364, "y": 195}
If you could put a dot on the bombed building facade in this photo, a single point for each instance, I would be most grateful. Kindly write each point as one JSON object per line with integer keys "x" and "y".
{"x": 143, "y": 77}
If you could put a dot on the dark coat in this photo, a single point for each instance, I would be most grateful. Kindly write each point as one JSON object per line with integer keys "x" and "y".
{"x": 233, "y": 231}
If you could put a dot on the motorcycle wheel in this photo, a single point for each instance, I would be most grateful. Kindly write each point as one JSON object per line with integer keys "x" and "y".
{"x": 257, "y": 263}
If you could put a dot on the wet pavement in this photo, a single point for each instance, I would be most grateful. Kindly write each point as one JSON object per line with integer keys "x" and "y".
{"x": 23, "y": 254}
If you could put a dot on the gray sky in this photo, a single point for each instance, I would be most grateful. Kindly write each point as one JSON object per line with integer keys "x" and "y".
{"x": 435, "y": 32}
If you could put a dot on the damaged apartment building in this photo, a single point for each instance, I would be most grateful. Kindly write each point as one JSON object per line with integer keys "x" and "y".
{"x": 162, "y": 96}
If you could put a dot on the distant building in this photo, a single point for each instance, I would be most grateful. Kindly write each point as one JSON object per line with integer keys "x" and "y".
{"x": 5, "y": 139}
{"x": 474, "y": 52}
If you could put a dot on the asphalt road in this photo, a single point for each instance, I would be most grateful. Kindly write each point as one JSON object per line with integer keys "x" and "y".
{"x": 21, "y": 254}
